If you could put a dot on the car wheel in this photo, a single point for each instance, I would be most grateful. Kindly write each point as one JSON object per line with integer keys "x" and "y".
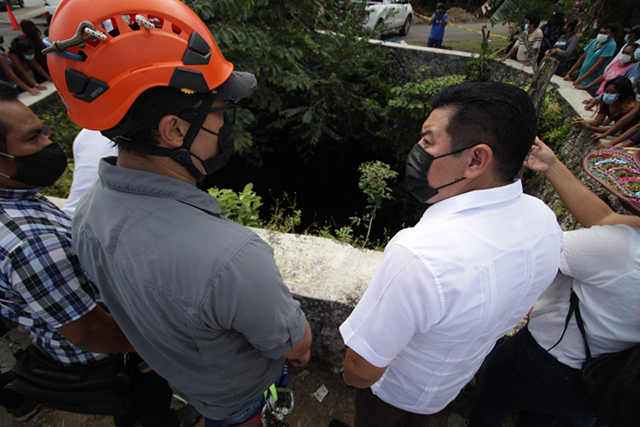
{"x": 404, "y": 30}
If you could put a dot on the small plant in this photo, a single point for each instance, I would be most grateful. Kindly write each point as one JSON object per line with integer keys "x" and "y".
{"x": 415, "y": 97}
{"x": 553, "y": 125}
{"x": 479, "y": 65}
{"x": 284, "y": 218}
{"x": 242, "y": 207}
{"x": 373, "y": 183}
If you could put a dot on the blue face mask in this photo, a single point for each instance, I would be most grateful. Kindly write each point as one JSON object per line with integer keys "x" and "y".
{"x": 608, "y": 98}
{"x": 636, "y": 54}
{"x": 29, "y": 57}
{"x": 526, "y": 27}
{"x": 626, "y": 38}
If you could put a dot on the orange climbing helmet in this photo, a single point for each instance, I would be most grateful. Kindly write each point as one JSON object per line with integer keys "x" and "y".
{"x": 103, "y": 54}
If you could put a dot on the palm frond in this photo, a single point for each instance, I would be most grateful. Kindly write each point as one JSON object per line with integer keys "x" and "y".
{"x": 505, "y": 10}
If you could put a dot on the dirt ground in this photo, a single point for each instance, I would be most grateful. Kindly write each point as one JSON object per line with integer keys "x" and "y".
{"x": 460, "y": 16}
{"x": 308, "y": 412}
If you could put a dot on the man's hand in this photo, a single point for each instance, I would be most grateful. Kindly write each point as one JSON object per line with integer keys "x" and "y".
{"x": 567, "y": 77}
{"x": 598, "y": 136}
{"x": 541, "y": 158}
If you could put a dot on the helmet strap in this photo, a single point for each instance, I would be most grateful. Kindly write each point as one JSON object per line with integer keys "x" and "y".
{"x": 181, "y": 155}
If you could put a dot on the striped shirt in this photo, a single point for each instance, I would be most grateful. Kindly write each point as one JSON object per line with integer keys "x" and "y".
{"x": 42, "y": 285}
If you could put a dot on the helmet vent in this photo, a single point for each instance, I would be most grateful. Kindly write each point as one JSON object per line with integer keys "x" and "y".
{"x": 176, "y": 29}
{"x": 110, "y": 27}
{"x": 157, "y": 21}
{"x": 131, "y": 21}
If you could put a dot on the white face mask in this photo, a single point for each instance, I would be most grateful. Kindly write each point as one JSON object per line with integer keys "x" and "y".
{"x": 602, "y": 38}
{"x": 638, "y": 97}
{"x": 625, "y": 59}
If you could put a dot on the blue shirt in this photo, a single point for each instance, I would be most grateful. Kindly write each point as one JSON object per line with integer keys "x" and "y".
{"x": 607, "y": 50}
{"x": 42, "y": 285}
{"x": 633, "y": 74}
{"x": 437, "y": 29}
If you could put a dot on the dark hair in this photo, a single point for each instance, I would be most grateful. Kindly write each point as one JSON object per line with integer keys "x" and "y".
{"x": 610, "y": 26}
{"x": 497, "y": 114}
{"x": 139, "y": 126}
{"x": 20, "y": 46}
{"x": 7, "y": 94}
{"x": 30, "y": 29}
{"x": 624, "y": 87}
{"x": 572, "y": 24}
{"x": 633, "y": 46}
{"x": 534, "y": 20}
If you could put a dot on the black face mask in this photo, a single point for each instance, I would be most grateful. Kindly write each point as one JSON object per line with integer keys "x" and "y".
{"x": 417, "y": 172}
{"x": 40, "y": 169}
{"x": 226, "y": 137}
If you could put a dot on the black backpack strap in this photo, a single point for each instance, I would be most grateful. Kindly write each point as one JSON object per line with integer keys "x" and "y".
{"x": 576, "y": 302}
{"x": 572, "y": 307}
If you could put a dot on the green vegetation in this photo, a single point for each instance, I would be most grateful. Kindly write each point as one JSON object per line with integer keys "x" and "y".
{"x": 373, "y": 183}
{"x": 242, "y": 207}
{"x": 475, "y": 46}
{"x": 554, "y": 124}
{"x": 325, "y": 103}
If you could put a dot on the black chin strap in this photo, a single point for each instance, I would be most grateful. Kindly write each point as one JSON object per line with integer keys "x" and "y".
{"x": 181, "y": 155}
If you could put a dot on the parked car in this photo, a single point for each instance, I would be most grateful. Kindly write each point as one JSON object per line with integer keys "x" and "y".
{"x": 50, "y": 7}
{"x": 390, "y": 15}
{"x": 12, "y": 3}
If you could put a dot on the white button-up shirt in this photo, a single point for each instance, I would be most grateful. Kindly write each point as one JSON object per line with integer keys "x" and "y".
{"x": 448, "y": 288}
{"x": 602, "y": 265}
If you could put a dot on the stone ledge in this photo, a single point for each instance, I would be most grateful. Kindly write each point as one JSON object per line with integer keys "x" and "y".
{"x": 31, "y": 100}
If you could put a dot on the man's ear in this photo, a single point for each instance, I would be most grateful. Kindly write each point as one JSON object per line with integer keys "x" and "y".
{"x": 480, "y": 160}
{"x": 171, "y": 131}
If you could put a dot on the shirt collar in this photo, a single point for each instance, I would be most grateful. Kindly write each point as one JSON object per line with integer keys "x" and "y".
{"x": 155, "y": 185}
{"x": 474, "y": 199}
{"x": 17, "y": 194}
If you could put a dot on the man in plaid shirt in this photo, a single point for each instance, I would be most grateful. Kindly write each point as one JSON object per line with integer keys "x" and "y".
{"x": 42, "y": 285}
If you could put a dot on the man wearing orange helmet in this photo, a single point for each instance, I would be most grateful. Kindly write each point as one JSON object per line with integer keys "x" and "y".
{"x": 198, "y": 296}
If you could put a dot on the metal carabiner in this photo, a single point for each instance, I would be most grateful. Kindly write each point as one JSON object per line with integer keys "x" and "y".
{"x": 278, "y": 411}
{"x": 86, "y": 31}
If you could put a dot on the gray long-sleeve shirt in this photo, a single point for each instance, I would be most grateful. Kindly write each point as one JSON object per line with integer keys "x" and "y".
{"x": 567, "y": 44}
{"x": 198, "y": 296}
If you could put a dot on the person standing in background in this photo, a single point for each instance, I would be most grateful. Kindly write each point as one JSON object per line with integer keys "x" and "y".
{"x": 439, "y": 21}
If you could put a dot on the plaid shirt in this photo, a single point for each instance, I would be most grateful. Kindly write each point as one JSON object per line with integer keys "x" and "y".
{"x": 42, "y": 285}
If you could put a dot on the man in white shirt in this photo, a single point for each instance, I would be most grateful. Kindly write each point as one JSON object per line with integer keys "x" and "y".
{"x": 471, "y": 268}
{"x": 601, "y": 263}
{"x": 88, "y": 148}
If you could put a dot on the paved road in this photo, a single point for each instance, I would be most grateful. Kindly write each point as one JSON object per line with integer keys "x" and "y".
{"x": 420, "y": 32}
{"x": 34, "y": 10}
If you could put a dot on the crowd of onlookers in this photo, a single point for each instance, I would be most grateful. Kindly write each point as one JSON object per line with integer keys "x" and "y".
{"x": 610, "y": 75}
{"x": 23, "y": 64}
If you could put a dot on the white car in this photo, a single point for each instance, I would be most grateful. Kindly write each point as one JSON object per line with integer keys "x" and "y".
{"x": 390, "y": 14}
{"x": 50, "y": 7}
